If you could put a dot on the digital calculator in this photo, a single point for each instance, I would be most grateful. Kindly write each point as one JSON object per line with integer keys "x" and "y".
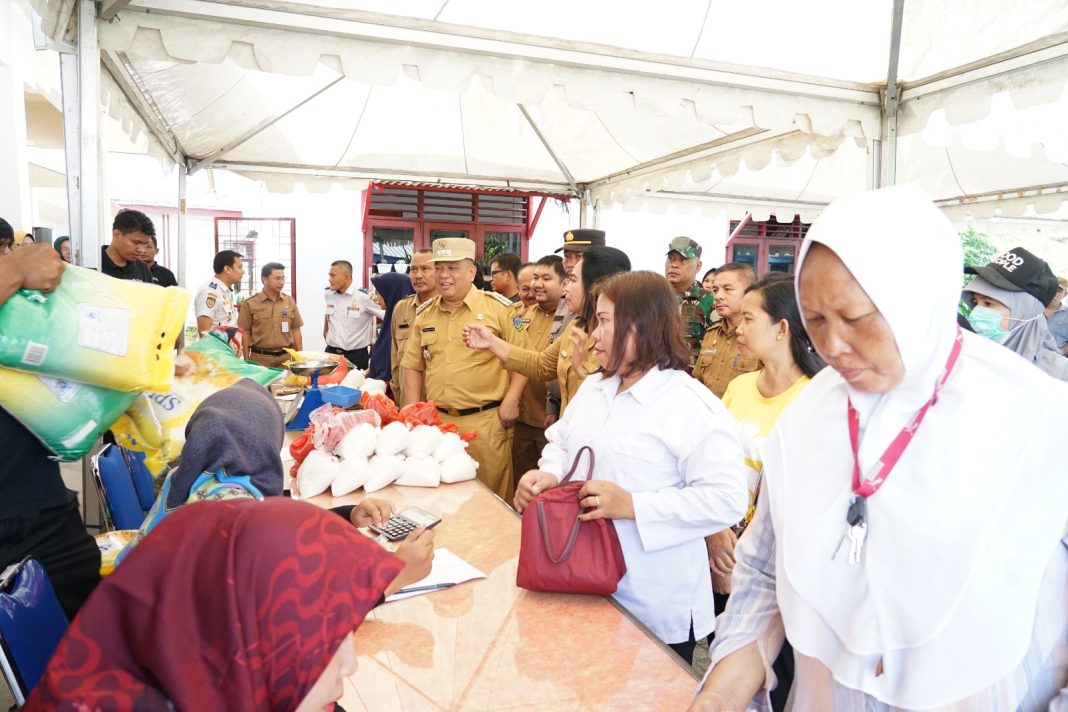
{"x": 405, "y": 522}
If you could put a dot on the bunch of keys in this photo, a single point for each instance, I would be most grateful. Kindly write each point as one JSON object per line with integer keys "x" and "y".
{"x": 857, "y": 519}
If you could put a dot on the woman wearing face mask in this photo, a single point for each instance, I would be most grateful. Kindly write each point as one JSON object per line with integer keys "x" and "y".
{"x": 668, "y": 468}
{"x": 570, "y": 358}
{"x": 1008, "y": 297}
{"x": 912, "y": 563}
{"x": 237, "y": 605}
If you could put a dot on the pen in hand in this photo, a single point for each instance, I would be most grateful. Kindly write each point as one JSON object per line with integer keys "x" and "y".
{"x": 416, "y": 589}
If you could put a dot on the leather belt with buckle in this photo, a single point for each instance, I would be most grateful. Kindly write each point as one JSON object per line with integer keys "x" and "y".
{"x": 267, "y": 352}
{"x": 457, "y": 412}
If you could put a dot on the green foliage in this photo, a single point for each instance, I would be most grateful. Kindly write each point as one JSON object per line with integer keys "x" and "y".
{"x": 977, "y": 248}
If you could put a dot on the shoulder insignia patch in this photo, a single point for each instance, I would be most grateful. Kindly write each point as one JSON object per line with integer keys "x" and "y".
{"x": 502, "y": 299}
{"x": 212, "y": 285}
{"x": 419, "y": 309}
{"x": 210, "y": 301}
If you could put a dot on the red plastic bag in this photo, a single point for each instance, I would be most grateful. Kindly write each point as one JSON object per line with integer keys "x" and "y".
{"x": 300, "y": 447}
{"x": 382, "y": 405}
{"x": 424, "y": 413}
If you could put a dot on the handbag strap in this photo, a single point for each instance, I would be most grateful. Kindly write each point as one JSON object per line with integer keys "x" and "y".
{"x": 545, "y": 536}
{"x": 575, "y": 464}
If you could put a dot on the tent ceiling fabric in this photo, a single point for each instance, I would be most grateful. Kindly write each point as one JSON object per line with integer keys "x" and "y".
{"x": 762, "y": 106}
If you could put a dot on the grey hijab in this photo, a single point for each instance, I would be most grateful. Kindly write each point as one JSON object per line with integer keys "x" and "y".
{"x": 1029, "y": 335}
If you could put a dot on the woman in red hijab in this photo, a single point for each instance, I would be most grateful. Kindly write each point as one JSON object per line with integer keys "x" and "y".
{"x": 238, "y": 605}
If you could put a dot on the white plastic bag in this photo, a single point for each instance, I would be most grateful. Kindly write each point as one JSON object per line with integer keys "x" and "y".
{"x": 420, "y": 472}
{"x": 354, "y": 379}
{"x": 316, "y": 473}
{"x": 425, "y": 439}
{"x": 450, "y": 445}
{"x": 358, "y": 442}
{"x": 373, "y": 386}
{"x": 458, "y": 468}
{"x": 393, "y": 439}
{"x": 385, "y": 469}
{"x": 352, "y": 474}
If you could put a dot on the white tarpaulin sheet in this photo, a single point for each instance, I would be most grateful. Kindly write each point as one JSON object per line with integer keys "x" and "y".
{"x": 766, "y": 106}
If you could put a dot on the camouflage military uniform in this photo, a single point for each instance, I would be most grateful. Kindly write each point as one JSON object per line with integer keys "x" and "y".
{"x": 694, "y": 319}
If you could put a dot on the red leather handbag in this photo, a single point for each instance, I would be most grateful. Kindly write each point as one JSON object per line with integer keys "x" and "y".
{"x": 560, "y": 554}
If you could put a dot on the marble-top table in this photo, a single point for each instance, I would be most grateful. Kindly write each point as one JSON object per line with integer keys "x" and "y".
{"x": 488, "y": 645}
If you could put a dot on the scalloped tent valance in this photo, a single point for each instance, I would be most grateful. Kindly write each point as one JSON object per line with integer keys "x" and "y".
{"x": 759, "y": 106}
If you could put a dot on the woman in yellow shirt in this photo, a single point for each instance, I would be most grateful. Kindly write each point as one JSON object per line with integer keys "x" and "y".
{"x": 770, "y": 330}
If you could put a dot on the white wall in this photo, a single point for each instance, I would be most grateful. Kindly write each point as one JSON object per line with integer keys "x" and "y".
{"x": 644, "y": 234}
{"x": 328, "y": 229}
{"x": 15, "y": 47}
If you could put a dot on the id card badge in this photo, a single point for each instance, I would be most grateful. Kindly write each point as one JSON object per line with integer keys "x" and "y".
{"x": 285, "y": 327}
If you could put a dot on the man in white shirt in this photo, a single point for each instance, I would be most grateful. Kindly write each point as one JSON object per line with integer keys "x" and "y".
{"x": 214, "y": 302}
{"x": 350, "y": 316}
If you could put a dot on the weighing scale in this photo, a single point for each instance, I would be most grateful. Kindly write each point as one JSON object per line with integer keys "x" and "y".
{"x": 311, "y": 397}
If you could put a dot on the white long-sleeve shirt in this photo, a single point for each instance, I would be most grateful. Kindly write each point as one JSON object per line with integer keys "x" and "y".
{"x": 670, "y": 443}
{"x": 753, "y": 616}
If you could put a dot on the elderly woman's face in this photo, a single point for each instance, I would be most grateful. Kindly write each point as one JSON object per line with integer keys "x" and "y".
{"x": 845, "y": 326}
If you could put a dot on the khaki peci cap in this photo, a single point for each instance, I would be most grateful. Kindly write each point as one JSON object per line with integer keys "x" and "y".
{"x": 453, "y": 249}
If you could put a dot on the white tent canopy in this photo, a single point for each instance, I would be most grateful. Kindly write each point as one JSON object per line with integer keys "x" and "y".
{"x": 770, "y": 107}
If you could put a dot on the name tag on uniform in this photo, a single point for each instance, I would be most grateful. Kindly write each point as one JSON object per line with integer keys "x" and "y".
{"x": 285, "y": 327}
{"x": 402, "y": 326}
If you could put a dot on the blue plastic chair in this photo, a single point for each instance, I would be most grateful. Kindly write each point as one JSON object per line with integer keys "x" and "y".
{"x": 31, "y": 625}
{"x": 142, "y": 478}
{"x": 115, "y": 483}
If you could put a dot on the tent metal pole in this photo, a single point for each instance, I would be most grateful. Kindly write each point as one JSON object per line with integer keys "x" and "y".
{"x": 875, "y": 164}
{"x": 80, "y": 78}
{"x": 182, "y": 173}
{"x": 890, "y": 100}
{"x": 556, "y": 159}
{"x": 87, "y": 144}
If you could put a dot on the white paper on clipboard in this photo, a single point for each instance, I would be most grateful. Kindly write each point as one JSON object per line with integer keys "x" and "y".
{"x": 448, "y": 568}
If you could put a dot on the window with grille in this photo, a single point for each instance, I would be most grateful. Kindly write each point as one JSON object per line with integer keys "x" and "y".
{"x": 767, "y": 246}
{"x": 388, "y": 201}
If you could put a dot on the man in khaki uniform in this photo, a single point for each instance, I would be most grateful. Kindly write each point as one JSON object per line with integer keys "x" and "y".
{"x": 270, "y": 320}
{"x": 537, "y": 319}
{"x": 468, "y": 385}
{"x": 421, "y": 274}
{"x": 719, "y": 360}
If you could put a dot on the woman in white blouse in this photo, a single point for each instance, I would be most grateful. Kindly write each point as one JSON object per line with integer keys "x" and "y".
{"x": 910, "y": 539}
{"x": 669, "y": 464}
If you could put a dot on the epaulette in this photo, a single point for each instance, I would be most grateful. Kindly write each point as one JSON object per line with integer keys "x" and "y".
{"x": 502, "y": 299}
{"x": 427, "y": 303}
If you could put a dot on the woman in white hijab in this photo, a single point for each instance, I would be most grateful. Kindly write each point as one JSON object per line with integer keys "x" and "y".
{"x": 911, "y": 540}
